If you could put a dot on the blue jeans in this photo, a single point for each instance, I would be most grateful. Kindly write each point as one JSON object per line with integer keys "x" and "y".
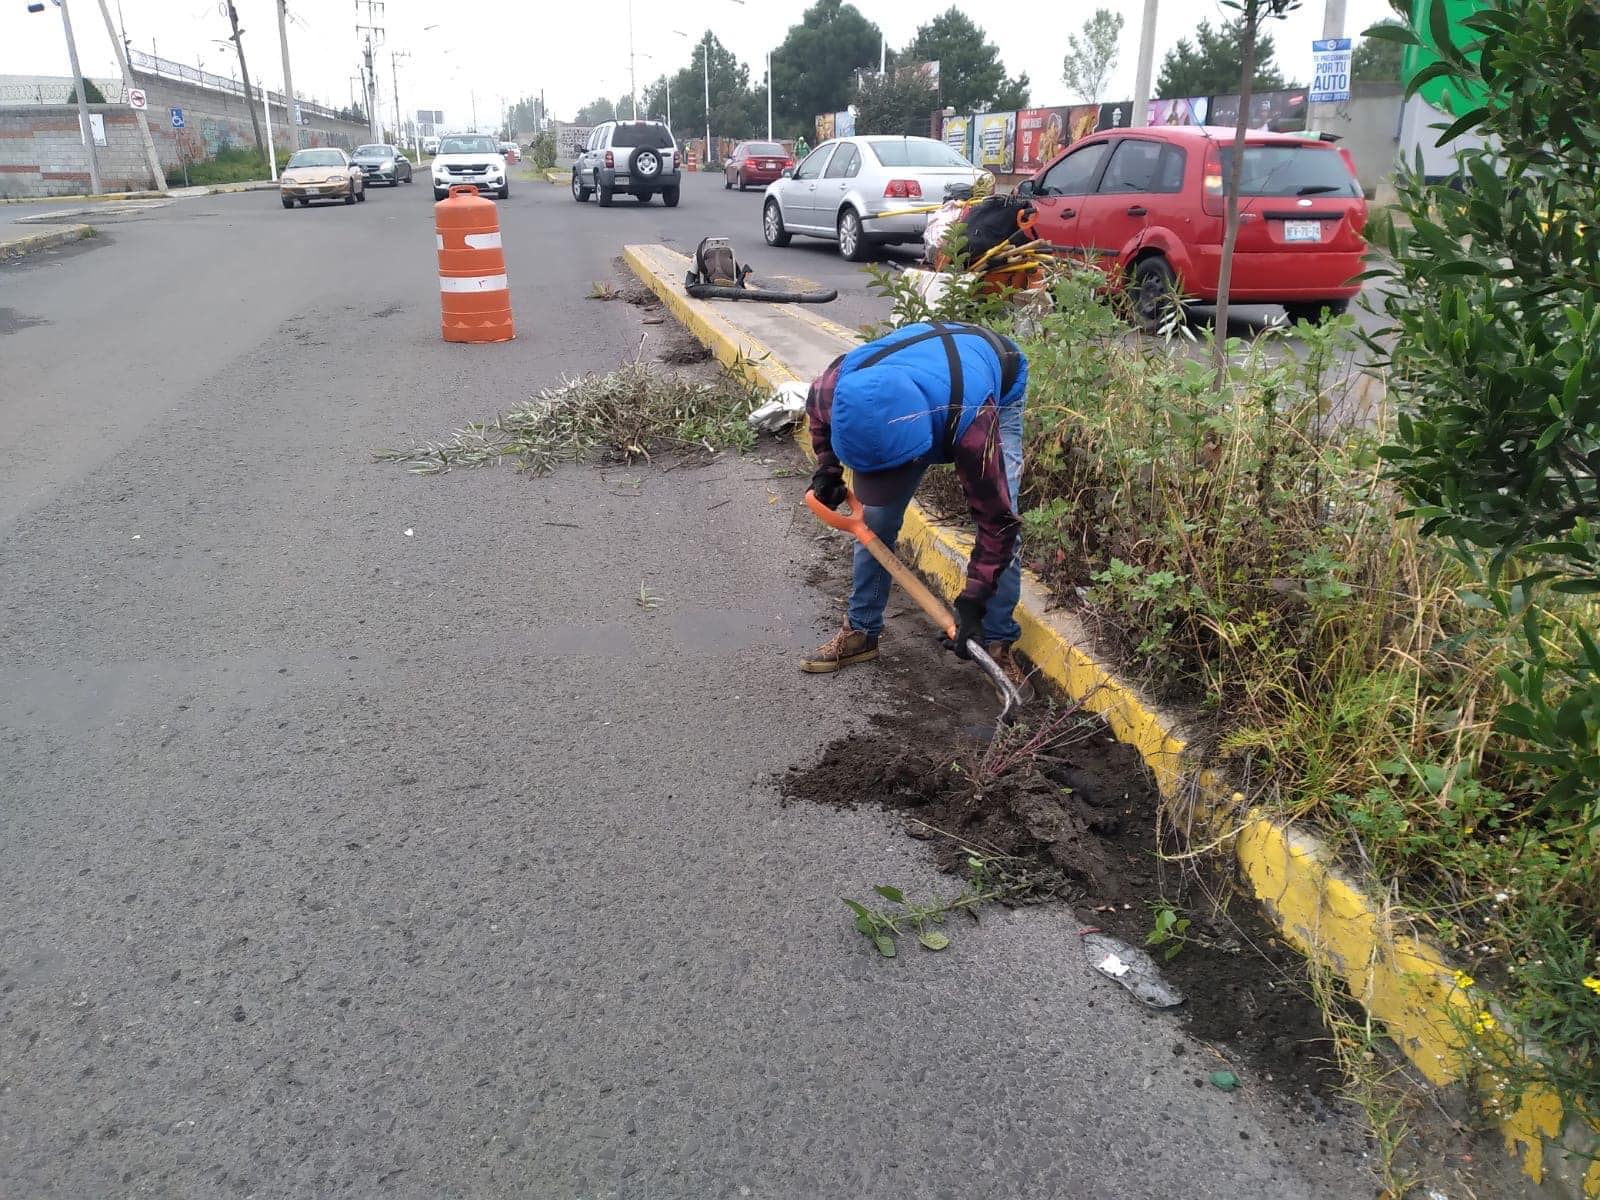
{"x": 869, "y": 587}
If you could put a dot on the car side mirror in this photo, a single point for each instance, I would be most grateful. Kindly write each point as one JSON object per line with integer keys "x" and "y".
{"x": 788, "y": 172}
{"x": 1026, "y": 188}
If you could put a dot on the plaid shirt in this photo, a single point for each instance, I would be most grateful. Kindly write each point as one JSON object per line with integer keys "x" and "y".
{"x": 980, "y": 466}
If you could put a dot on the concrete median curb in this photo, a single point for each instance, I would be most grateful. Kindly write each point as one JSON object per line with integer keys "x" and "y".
{"x": 32, "y": 243}
{"x": 1403, "y": 980}
{"x": 77, "y": 196}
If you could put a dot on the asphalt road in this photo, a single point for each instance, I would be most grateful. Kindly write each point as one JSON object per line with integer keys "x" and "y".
{"x": 362, "y": 834}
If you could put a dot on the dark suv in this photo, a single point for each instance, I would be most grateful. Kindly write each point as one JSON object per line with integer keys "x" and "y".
{"x": 636, "y": 157}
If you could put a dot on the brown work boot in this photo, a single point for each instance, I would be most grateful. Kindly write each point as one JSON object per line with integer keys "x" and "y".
{"x": 841, "y": 650}
{"x": 1007, "y": 662}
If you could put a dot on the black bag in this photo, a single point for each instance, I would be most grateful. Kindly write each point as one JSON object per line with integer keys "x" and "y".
{"x": 992, "y": 220}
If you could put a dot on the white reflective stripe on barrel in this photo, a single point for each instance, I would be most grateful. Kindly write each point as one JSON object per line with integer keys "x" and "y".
{"x": 483, "y": 241}
{"x": 472, "y": 283}
{"x": 438, "y": 240}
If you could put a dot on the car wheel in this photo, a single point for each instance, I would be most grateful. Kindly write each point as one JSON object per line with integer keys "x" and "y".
{"x": 1155, "y": 294}
{"x": 505, "y": 191}
{"x": 853, "y": 244}
{"x": 727, "y": 184}
{"x": 644, "y": 164}
{"x": 1315, "y": 312}
{"x": 439, "y": 195}
{"x": 579, "y": 193}
{"x": 738, "y": 180}
{"x": 287, "y": 203}
{"x": 350, "y": 196}
{"x": 669, "y": 197}
{"x": 605, "y": 196}
{"x": 772, "y": 225}
{"x": 362, "y": 195}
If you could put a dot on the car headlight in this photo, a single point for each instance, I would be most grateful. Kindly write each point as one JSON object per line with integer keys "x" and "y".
{"x": 336, "y": 179}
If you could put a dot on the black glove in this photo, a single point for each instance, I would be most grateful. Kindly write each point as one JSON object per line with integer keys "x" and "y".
{"x": 828, "y": 487}
{"x": 969, "y": 626}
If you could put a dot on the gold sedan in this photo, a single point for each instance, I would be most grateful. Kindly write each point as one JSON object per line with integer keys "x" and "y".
{"x": 325, "y": 173}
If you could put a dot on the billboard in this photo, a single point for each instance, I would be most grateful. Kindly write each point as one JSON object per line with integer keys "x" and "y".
{"x": 957, "y": 135}
{"x": 1082, "y": 120}
{"x": 844, "y": 124}
{"x": 994, "y": 141}
{"x": 1041, "y": 133}
{"x": 1189, "y": 111}
{"x": 1115, "y": 116}
{"x": 824, "y": 126}
{"x": 1279, "y": 112}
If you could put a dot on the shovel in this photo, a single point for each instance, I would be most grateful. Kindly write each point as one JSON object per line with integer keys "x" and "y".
{"x": 855, "y": 524}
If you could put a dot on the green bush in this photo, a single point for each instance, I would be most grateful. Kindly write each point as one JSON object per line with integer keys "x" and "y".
{"x": 1496, "y": 321}
{"x": 542, "y": 150}
{"x": 231, "y": 164}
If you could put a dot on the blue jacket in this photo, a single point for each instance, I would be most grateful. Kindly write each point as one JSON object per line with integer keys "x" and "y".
{"x": 891, "y": 398}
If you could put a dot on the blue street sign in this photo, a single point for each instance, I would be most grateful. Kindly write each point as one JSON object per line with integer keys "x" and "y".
{"x": 177, "y": 118}
{"x": 1330, "y": 71}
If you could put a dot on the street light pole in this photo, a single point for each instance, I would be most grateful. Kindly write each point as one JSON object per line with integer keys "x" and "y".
{"x": 769, "y": 95}
{"x": 708, "y": 99}
{"x": 84, "y": 128}
{"x": 633, "y": 75}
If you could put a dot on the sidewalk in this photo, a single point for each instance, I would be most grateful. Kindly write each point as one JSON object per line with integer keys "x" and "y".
{"x": 176, "y": 193}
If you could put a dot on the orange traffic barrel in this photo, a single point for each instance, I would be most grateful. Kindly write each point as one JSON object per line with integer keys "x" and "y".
{"x": 473, "y": 296}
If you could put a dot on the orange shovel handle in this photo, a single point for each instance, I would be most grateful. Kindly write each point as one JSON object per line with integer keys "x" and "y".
{"x": 855, "y": 524}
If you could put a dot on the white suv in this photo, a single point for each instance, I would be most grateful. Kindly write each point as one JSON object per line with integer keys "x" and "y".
{"x": 637, "y": 157}
{"x": 473, "y": 159}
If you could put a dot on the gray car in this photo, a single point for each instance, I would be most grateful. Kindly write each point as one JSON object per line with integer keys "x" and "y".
{"x": 842, "y": 189}
{"x": 382, "y": 163}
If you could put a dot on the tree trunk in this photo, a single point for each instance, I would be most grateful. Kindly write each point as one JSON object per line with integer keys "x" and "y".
{"x": 1219, "y": 345}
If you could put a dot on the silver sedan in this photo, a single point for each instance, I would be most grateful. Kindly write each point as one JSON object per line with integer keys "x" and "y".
{"x": 842, "y": 189}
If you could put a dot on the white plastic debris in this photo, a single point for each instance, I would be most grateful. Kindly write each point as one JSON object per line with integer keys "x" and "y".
{"x": 1132, "y": 968}
{"x": 410, "y": 532}
{"x": 786, "y": 407}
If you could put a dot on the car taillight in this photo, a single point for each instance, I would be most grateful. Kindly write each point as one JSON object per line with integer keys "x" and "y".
{"x": 903, "y": 189}
{"x": 610, "y": 161}
{"x": 1213, "y": 184}
{"x": 788, "y": 162}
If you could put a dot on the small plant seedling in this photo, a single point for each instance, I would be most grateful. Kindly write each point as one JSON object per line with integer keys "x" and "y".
{"x": 601, "y": 290}
{"x": 1171, "y": 931}
{"x": 882, "y": 926}
{"x": 647, "y": 599}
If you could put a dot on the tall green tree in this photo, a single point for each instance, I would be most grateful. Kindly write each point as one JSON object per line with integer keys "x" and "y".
{"x": 1377, "y": 59}
{"x": 1091, "y": 57}
{"x": 1213, "y": 64}
{"x": 971, "y": 76}
{"x": 736, "y": 110}
{"x": 596, "y": 111}
{"x": 896, "y": 102}
{"x": 814, "y": 70}
{"x": 526, "y": 114}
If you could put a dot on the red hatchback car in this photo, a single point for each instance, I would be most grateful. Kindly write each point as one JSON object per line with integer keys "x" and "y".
{"x": 1151, "y": 201}
{"x": 756, "y": 163}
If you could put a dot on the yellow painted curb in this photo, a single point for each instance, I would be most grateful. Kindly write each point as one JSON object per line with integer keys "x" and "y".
{"x": 1400, "y": 978}
{"x": 33, "y": 242}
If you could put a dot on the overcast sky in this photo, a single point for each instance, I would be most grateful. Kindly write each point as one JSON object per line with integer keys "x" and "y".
{"x": 505, "y": 49}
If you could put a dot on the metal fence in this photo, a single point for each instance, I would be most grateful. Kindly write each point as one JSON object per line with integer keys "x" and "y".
{"x": 150, "y": 64}
{"x": 54, "y": 91}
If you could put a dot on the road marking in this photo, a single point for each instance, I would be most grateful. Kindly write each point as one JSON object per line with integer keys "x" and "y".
{"x": 472, "y": 283}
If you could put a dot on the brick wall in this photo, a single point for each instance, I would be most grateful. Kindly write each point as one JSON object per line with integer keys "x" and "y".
{"x": 42, "y": 153}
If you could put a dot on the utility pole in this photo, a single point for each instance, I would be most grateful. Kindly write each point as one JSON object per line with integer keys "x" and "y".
{"x": 373, "y": 32}
{"x": 121, "y": 46}
{"x": 633, "y": 78}
{"x": 288, "y": 77}
{"x": 1147, "y": 55}
{"x": 78, "y": 90}
{"x": 394, "y": 78}
{"x": 708, "y": 101}
{"x": 244, "y": 77}
{"x": 1322, "y": 115}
